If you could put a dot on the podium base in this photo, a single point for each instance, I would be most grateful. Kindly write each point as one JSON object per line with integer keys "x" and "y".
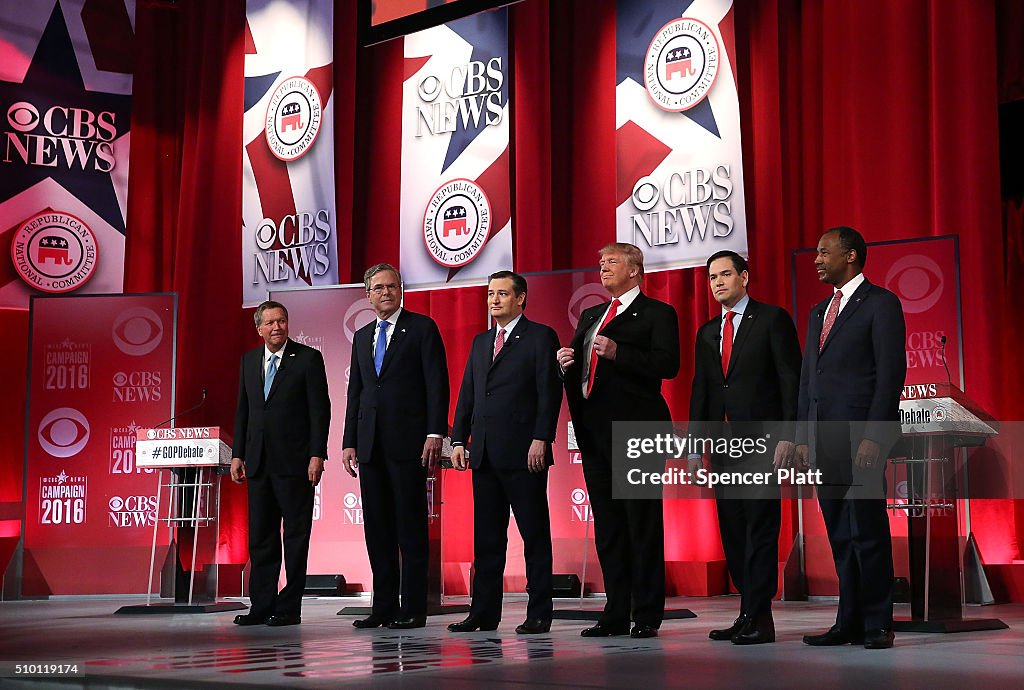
{"x": 594, "y": 615}
{"x": 435, "y": 610}
{"x": 948, "y": 626}
{"x": 149, "y": 609}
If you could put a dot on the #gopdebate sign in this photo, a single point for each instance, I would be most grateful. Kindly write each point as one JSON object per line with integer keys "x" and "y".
{"x": 183, "y": 447}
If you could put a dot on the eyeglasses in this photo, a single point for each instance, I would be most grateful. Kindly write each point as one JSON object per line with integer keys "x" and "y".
{"x": 381, "y": 289}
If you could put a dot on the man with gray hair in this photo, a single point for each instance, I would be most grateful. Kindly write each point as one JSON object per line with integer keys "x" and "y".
{"x": 397, "y": 415}
{"x": 281, "y": 425}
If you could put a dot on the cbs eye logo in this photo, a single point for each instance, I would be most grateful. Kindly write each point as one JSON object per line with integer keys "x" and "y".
{"x": 356, "y": 316}
{"x": 578, "y": 496}
{"x": 917, "y": 280}
{"x": 137, "y": 331}
{"x": 63, "y": 432}
{"x": 23, "y": 116}
{"x": 585, "y": 297}
{"x": 351, "y": 501}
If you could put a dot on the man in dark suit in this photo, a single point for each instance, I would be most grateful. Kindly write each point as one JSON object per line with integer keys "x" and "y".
{"x": 853, "y": 371}
{"x": 281, "y": 425}
{"x": 746, "y": 371}
{"x": 508, "y": 408}
{"x": 397, "y": 415}
{"x": 620, "y": 353}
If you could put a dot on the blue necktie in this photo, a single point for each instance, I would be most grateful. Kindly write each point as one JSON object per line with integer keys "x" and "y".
{"x": 268, "y": 380}
{"x": 382, "y": 345}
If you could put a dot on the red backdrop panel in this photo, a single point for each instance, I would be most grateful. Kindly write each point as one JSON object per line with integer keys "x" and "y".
{"x": 100, "y": 368}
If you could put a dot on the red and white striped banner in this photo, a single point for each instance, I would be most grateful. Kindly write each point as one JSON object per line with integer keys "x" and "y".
{"x": 679, "y": 187}
{"x": 289, "y": 227}
{"x": 456, "y": 213}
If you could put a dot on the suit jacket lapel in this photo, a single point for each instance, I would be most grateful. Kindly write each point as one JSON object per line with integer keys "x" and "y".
{"x": 625, "y": 314}
{"x": 856, "y": 299}
{"x": 745, "y": 325}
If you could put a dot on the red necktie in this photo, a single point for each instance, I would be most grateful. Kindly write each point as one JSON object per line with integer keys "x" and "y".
{"x": 499, "y": 342}
{"x": 593, "y": 353}
{"x": 830, "y": 318}
{"x": 727, "y": 335}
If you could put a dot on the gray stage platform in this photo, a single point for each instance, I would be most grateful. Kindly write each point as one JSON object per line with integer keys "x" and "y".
{"x": 207, "y": 651}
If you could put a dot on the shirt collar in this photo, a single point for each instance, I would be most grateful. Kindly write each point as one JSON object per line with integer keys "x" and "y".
{"x": 850, "y": 287}
{"x": 507, "y": 327}
{"x": 738, "y": 308}
{"x": 626, "y": 298}
{"x": 279, "y": 353}
{"x": 393, "y": 319}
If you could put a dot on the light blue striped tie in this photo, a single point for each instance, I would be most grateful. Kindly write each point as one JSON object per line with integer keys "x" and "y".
{"x": 268, "y": 380}
{"x": 382, "y": 345}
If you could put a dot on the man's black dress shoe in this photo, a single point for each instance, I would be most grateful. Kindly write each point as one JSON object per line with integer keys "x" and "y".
{"x": 605, "y": 630}
{"x": 833, "y": 637}
{"x": 472, "y": 624}
{"x": 250, "y": 619}
{"x": 408, "y": 623}
{"x": 533, "y": 626}
{"x": 879, "y": 639}
{"x": 727, "y": 633}
{"x": 374, "y": 620}
{"x": 757, "y": 630}
{"x": 278, "y": 621}
{"x": 641, "y": 631}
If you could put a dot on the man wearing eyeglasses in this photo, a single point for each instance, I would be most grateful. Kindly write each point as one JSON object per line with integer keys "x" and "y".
{"x": 397, "y": 415}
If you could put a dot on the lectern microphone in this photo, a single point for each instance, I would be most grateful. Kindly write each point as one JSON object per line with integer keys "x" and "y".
{"x": 942, "y": 350}
{"x": 195, "y": 407}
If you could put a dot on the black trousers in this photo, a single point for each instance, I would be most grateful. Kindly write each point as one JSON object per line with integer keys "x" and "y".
{"x": 276, "y": 500}
{"x": 395, "y": 523}
{"x": 750, "y": 538}
{"x": 629, "y": 534}
{"x": 853, "y": 506}
{"x": 858, "y": 532}
{"x": 495, "y": 491}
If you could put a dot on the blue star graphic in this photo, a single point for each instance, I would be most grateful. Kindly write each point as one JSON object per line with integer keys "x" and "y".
{"x": 487, "y": 32}
{"x": 55, "y": 79}
{"x": 632, "y": 39}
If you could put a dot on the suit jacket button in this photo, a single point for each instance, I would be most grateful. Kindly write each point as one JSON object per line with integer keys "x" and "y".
{"x": 819, "y": 371}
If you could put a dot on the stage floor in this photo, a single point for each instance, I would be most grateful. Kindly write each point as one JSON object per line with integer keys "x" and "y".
{"x": 208, "y": 651}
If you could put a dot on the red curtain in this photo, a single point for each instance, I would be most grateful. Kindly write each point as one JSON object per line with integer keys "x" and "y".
{"x": 184, "y": 205}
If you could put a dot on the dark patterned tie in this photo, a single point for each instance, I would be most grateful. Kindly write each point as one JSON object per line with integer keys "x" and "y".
{"x": 830, "y": 318}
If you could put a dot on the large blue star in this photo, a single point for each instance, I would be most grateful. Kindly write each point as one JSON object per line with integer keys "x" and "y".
{"x": 487, "y": 32}
{"x": 55, "y": 79}
{"x": 632, "y": 39}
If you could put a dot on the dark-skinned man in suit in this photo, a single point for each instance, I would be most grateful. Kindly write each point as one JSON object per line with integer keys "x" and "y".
{"x": 280, "y": 444}
{"x": 746, "y": 371}
{"x": 621, "y": 352}
{"x": 397, "y": 415}
{"x": 508, "y": 410}
{"x": 853, "y": 371}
